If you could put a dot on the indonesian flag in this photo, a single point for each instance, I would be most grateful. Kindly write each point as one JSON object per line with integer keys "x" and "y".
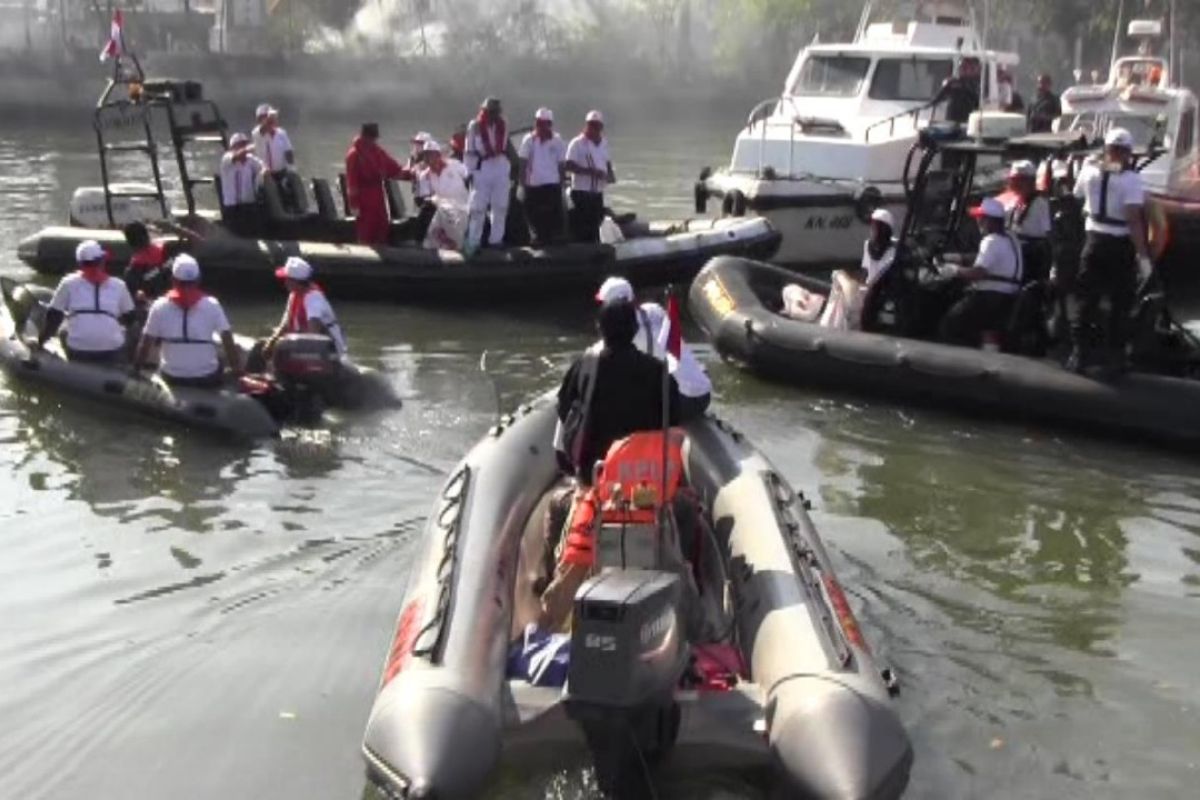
{"x": 671, "y": 336}
{"x": 116, "y": 39}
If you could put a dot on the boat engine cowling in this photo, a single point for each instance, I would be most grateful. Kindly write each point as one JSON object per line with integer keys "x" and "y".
{"x": 308, "y": 358}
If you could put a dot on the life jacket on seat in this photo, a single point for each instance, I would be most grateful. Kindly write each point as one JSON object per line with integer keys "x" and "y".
{"x": 616, "y": 521}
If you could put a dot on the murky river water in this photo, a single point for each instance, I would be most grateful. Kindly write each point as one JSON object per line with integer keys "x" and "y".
{"x": 183, "y": 618}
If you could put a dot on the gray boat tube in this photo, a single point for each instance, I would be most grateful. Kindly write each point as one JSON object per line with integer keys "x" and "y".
{"x": 815, "y": 710}
{"x": 735, "y": 301}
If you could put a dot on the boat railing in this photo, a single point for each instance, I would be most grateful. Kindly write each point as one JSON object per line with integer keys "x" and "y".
{"x": 913, "y": 114}
{"x": 762, "y": 115}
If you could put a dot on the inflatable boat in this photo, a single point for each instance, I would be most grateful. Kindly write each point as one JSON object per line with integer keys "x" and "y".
{"x": 799, "y": 699}
{"x": 260, "y": 412}
{"x": 654, "y": 254}
{"x": 736, "y": 302}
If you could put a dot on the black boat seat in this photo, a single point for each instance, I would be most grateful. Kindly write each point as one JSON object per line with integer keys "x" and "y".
{"x": 273, "y": 202}
{"x": 1026, "y": 333}
{"x": 323, "y": 197}
{"x": 395, "y": 200}
{"x": 345, "y": 194}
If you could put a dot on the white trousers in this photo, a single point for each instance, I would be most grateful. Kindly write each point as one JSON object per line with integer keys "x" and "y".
{"x": 489, "y": 191}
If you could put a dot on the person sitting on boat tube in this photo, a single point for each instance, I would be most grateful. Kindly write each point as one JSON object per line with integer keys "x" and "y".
{"x": 307, "y": 309}
{"x": 95, "y": 306}
{"x": 241, "y": 174}
{"x": 273, "y": 147}
{"x": 147, "y": 275}
{"x": 992, "y": 282}
{"x": 182, "y": 326}
{"x": 842, "y": 310}
{"x": 695, "y": 388}
{"x": 1028, "y": 219}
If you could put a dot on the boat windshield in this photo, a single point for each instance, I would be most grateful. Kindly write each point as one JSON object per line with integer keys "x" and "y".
{"x": 831, "y": 76}
{"x": 909, "y": 78}
{"x": 1145, "y": 128}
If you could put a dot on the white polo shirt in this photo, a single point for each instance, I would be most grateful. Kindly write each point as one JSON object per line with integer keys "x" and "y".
{"x": 272, "y": 148}
{"x": 1105, "y": 201}
{"x": 543, "y": 160}
{"x": 1030, "y": 222}
{"x": 450, "y": 185}
{"x": 583, "y": 152}
{"x": 92, "y": 312}
{"x": 1000, "y": 255}
{"x": 239, "y": 181}
{"x": 191, "y": 351}
{"x": 316, "y": 306}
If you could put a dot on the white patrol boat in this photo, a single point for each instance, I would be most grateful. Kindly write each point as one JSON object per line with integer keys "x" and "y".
{"x": 817, "y": 160}
{"x": 1143, "y": 95}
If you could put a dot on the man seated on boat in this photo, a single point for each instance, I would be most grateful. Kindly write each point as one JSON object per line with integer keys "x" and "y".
{"x": 241, "y": 174}
{"x": 442, "y": 197}
{"x": 695, "y": 388}
{"x": 842, "y": 309}
{"x": 307, "y": 309}
{"x": 273, "y": 147}
{"x": 147, "y": 274}
{"x": 95, "y": 306}
{"x": 992, "y": 282}
{"x": 1029, "y": 219}
{"x": 182, "y": 326}
{"x": 606, "y": 395}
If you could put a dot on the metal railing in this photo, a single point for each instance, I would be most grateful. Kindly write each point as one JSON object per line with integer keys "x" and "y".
{"x": 913, "y": 113}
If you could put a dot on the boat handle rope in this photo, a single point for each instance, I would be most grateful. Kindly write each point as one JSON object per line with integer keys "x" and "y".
{"x": 448, "y": 520}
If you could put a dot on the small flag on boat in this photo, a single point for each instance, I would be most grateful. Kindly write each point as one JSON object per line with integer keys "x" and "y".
{"x": 671, "y": 337}
{"x": 116, "y": 38}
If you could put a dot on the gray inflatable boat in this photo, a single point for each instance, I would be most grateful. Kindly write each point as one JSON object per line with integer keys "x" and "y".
{"x": 223, "y": 410}
{"x": 810, "y": 709}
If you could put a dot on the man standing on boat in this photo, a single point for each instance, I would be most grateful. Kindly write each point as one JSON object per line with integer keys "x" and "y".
{"x": 241, "y": 172}
{"x": 591, "y": 170}
{"x": 273, "y": 148}
{"x": 491, "y": 174}
{"x": 1045, "y": 108}
{"x": 1116, "y": 251}
{"x": 542, "y": 154}
{"x": 367, "y": 166}
{"x": 961, "y": 92}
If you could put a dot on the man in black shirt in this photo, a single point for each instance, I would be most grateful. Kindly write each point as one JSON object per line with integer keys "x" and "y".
{"x": 961, "y": 93}
{"x": 1045, "y": 107}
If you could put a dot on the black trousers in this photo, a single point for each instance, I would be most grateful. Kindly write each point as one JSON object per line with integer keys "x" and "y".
{"x": 587, "y": 212}
{"x": 96, "y": 356}
{"x": 544, "y": 210}
{"x": 1107, "y": 268}
{"x": 214, "y": 381}
{"x": 973, "y": 315}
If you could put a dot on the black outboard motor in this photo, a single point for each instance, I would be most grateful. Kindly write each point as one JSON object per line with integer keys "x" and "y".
{"x": 628, "y": 653}
{"x": 306, "y": 366}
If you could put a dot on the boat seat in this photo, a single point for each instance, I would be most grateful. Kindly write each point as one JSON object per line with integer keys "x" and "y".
{"x": 273, "y": 202}
{"x": 323, "y": 197}
{"x": 395, "y": 200}
{"x": 1026, "y": 333}
{"x": 345, "y": 194}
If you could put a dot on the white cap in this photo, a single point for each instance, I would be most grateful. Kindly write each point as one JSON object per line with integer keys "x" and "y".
{"x": 422, "y": 136}
{"x": 185, "y": 268}
{"x": 89, "y": 252}
{"x": 296, "y": 269}
{"x": 614, "y": 289}
{"x": 1026, "y": 169}
{"x": 238, "y": 140}
{"x": 431, "y": 147}
{"x": 265, "y": 109}
{"x": 884, "y": 216}
{"x": 594, "y": 116}
{"x": 990, "y": 208}
{"x": 544, "y": 114}
{"x": 1119, "y": 137}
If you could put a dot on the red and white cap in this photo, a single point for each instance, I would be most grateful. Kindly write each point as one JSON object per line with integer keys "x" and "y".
{"x": 544, "y": 114}
{"x": 1025, "y": 169}
{"x": 265, "y": 110}
{"x": 421, "y": 137}
{"x": 594, "y": 116}
{"x": 295, "y": 269}
{"x": 1119, "y": 137}
{"x": 431, "y": 146}
{"x": 884, "y": 216}
{"x": 89, "y": 252}
{"x": 614, "y": 289}
{"x": 185, "y": 269}
{"x": 239, "y": 140}
{"x": 991, "y": 208}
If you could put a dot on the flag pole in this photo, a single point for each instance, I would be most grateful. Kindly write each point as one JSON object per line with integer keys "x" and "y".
{"x": 666, "y": 395}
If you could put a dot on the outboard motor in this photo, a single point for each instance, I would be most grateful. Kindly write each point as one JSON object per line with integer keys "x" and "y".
{"x": 306, "y": 366}
{"x": 628, "y": 653}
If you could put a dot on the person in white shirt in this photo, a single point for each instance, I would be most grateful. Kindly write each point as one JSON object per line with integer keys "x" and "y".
{"x": 443, "y": 205}
{"x": 307, "y": 309}
{"x": 992, "y": 283}
{"x": 1115, "y": 252}
{"x": 183, "y": 326}
{"x": 491, "y": 174}
{"x": 842, "y": 309}
{"x": 591, "y": 170}
{"x": 1028, "y": 218}
{"x": 273, "y": 147}
{"x": 695, "y": 388}
{"x": 543, "y": 155}
{"x": 96, "y": 306}
{"x": 241, "y": 172}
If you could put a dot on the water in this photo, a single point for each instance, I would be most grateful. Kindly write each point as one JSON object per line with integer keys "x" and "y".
{"x": 184, "y": 618}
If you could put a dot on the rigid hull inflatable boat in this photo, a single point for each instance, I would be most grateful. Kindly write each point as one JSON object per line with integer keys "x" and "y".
{"x": 736, "y": 303}
{"x": 245, "y": 415}
{"x": 810, "y": 708}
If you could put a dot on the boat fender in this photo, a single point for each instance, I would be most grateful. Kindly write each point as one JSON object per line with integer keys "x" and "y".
{"x": 866, "y": 200}
{"x": 737, "y": 203}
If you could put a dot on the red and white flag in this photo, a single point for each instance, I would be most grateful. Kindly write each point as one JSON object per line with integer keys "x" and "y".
{"x": 670, "y": 338}
{"x": 116, "y": 38}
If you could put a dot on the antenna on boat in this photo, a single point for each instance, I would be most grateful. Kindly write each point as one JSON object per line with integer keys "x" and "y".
{"x": 1116, "y": 45}
{"x": 864, "y": 20}
{"x": 1172, "y": 52}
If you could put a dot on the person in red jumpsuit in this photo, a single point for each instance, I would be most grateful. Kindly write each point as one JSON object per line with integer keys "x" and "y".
{"x": 367, "y": 166}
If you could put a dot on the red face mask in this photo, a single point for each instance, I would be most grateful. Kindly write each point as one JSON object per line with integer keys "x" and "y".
{"x": 185, "y": 295}
{"x": 94, "y": 273}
